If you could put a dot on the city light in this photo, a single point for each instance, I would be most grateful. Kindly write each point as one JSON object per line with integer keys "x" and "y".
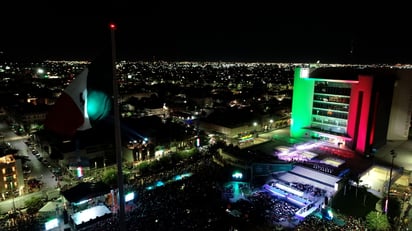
{"x": 112, "y": 26}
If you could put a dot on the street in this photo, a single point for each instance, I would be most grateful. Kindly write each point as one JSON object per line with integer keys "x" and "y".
{"x": 38, "y": 171}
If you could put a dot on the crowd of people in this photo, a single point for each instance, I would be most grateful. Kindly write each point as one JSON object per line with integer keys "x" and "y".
{"x": 18, "y": 220}
{"x": 276, "y": 211}
{"x": 313, "y": 222}
{"x": 199, "y": 202}
{"x": 192, "y": 203}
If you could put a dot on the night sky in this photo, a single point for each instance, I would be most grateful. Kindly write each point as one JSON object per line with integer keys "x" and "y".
{"x": 209, "y": 31}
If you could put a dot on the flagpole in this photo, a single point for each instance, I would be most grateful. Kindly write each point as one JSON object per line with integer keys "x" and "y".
{"x": 118, "y": 143}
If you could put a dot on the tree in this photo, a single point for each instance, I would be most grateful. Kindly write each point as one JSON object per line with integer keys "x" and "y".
{"x": 34, "y": 204}
{"x": 110, "y": 177}
{"x": 377, "y": 221}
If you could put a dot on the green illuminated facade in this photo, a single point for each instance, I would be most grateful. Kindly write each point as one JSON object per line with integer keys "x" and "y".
{"x": 303, "y": 89}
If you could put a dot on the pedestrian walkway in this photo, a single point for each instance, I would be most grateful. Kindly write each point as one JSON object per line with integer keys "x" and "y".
{"x": 403, "y": 151}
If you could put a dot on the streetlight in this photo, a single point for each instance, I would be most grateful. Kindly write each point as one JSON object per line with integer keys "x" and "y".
{"x": 254, "y": 129}
{"x": 393, "y": 154}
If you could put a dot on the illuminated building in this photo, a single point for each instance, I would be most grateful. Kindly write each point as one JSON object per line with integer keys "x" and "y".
{"x": 10, "y": 179}
{"x": 358, "y": 108}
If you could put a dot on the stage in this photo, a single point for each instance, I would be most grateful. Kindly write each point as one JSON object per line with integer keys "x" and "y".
{"x": 82, "y": 218}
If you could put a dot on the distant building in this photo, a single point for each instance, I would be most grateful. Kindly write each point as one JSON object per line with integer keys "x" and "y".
{"x": 240, "y": 126}
{"x": 28, "y": 115}
{"x": 142, "y": 138}
{"x": 359, "y": 108}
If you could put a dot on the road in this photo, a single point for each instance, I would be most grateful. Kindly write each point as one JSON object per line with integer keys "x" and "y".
{"x": 38, "y": 170}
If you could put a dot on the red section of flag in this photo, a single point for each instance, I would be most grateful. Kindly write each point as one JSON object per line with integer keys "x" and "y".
{"x": 65, "y": 117}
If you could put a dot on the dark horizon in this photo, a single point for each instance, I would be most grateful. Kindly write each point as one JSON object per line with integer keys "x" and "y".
{"x": 213, "y": 31}
{"x": 30, "y": 55}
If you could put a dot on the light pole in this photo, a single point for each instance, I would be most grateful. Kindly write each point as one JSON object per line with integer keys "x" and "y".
{"x": 393, "y": 154}
{"x": 255, "y": 129}
{"x": 12, "y": 193}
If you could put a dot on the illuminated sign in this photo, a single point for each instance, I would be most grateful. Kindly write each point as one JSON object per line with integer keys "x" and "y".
{"x": 246, "y": 138}
{"x": 129, "y": 197}
{"x": 304, "y": 73}
{"x": 79, "y": 172}
{"x": 237, "y": 175}
{"x": 54, "y": 223}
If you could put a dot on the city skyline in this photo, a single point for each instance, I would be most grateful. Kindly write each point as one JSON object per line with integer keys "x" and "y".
{"x": 212, "y": 31}
{"x": 245, "y": 90}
